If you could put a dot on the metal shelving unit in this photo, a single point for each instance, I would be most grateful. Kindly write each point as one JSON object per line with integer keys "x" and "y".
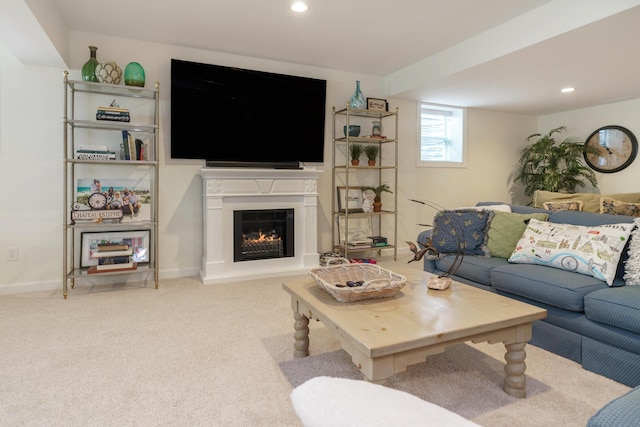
{"x": 81, "y": 128}
{"x": 385, "y": 222}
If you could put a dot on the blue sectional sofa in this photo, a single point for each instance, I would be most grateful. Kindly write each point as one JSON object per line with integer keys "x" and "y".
{"x": 588, "y": 321}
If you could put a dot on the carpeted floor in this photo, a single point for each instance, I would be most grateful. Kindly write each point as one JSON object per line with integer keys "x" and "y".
{"x": 222, "y": 355}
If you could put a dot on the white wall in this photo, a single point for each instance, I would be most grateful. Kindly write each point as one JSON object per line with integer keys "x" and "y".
{"x": 31, "y": 159}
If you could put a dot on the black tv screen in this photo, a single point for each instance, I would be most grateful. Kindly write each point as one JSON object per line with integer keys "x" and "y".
{"x": 237, "y": 117}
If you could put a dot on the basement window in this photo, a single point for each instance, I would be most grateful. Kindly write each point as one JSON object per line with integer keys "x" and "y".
{"x": 440, "y": 136}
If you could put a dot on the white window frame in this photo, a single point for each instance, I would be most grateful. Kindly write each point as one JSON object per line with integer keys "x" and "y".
{"x": 457, "y": 156}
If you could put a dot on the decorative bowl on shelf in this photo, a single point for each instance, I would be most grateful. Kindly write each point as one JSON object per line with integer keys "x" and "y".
{"x": 354, "y": 130}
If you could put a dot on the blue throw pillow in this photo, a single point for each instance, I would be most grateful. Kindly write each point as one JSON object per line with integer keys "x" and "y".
{"x": 464, "y": 227}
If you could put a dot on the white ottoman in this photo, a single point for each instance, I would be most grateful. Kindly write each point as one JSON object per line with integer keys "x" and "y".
{"x": 336, "y": 402}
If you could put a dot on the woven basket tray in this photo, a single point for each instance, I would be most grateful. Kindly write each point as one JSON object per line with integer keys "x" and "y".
{"x": 378, "y": 282}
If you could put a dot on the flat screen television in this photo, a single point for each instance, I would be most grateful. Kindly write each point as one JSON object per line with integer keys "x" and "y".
{"x": 233, "y": 117}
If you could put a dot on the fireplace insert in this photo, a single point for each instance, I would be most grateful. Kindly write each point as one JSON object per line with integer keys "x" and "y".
{"x": 262, "y": 234}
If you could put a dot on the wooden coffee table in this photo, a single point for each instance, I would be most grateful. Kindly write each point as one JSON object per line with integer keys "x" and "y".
{"x": 384, "y": 336}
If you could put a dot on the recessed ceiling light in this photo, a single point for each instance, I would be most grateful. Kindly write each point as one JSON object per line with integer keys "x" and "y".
{"x": 299, "y": 7}
{"x": 568, "y": 89}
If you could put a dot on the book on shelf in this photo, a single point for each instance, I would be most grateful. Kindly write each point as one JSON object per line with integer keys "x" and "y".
{"x": 113, "y": 117}
{"x": 111, "y": 268}
{"x": 113, "y": 253}
{"x": 85, "y": 147}
{"x": 379, "y": 245}
{"x": 112, "y": 247}
{"x": 95, "y": 155}
{"x": 115, "y": 261}
{"x": 114, "y": 109}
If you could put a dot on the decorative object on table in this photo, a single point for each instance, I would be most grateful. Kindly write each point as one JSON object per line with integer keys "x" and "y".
{"x": 355, "y": 151}
{"x": 371, "y": 151}
{"x": 89, "y": 67}
{"x": 354, "y": 130}
{"x": 377, "y": 191}
{"x": 350, "y": 199}
{"x": 357, "y": 99}
{"x": 615, "y": 148}
{"x": 376, "y": 104}
{"x": 109, "y": 72}
{"x": 330, "y": 258}
{"x": 357, "y": 281}
{"x": 547, "y": 165}
{"x": 376, "y": 129}
{"x": 134, "y": 75}
{"x": 442, "y": 281}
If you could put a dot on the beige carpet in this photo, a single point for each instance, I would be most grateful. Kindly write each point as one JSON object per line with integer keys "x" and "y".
{"x": 193, "y": 355}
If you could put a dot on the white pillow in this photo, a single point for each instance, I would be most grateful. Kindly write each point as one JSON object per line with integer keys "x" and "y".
{"x": 500, "y": 207}
{"x": 632, "y": 265}
{"x": 590, "y": 250}
{"x": 341, "y": 402}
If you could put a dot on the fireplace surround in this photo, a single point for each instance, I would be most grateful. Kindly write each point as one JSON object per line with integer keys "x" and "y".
{"x": 229, "y": 190}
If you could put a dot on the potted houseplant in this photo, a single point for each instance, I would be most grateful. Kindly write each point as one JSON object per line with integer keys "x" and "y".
{"x": 552, "y": 166}
{"x": 356, "y": 151}
{"x": 377, "y": 191}
{"x": 371, "y": 151}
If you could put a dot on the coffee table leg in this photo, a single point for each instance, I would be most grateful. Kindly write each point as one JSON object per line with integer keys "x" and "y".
{"x": 301, "y": 335}
{"x": 514, "y": 381}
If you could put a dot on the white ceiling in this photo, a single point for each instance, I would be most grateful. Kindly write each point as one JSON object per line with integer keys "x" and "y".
{"x": 507, "y": 55}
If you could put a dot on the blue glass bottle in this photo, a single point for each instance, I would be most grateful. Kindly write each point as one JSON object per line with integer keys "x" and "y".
{"x": 357, "y": 99}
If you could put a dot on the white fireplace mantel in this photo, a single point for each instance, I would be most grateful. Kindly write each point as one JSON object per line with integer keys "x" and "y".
{"x": 226, "y": 190}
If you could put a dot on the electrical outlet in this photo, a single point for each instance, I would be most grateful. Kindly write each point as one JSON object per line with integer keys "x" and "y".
{"x": 12, "y": 253}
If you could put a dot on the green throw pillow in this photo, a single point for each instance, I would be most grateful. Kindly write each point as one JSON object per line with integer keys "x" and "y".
{"x": 505, "y": 230}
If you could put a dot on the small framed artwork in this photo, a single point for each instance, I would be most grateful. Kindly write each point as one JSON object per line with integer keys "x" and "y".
{"x": 377, "y": 104}
{"x": 350, "y": 199}
{"x": 136, "y": 240}
{"x": 359, "y": 230}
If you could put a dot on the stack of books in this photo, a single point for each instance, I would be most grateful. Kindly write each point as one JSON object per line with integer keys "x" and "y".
{"x": 116, "y": 114}
{"x": 94, "y": 152}
{"x": 379, "y": 241}
{"x": 360, "y": 244}
{"x": 113, "y": 257}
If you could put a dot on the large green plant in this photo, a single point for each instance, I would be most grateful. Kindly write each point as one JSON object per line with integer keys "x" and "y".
{"x": 552, "y": 166}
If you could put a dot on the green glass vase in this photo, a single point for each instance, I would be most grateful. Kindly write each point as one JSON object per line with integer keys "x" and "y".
{"x": 134, "y": 74}
{"x": 89, "y": 67}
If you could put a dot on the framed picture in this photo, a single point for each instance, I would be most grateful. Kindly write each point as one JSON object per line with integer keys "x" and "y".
{"x": 350, "y": 198}
{"x": 377, "y": 104}
{"x": 137, "y": 240}
{"x": 130, "y": 196}
{"x": 359, "y": 230}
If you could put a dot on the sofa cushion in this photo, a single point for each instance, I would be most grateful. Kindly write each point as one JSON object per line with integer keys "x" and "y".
{"x": 505, "y": 229}
{"x": 475, "y": 268}
{"x": 559, "y": 288}
{"x": 619, "y": 307}
{"x": 464, "y": 227}
{"x": 593, "y": 250}
{"x": 590, "y": 201}
{"x": 621, "y": 411}
{"x": 587, "y": 218}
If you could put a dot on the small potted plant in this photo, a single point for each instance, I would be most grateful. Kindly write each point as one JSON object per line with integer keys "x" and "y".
{"x": 371, "y": 151}
{"x": 377, "y": 191}
{"x": 356, "y": 151}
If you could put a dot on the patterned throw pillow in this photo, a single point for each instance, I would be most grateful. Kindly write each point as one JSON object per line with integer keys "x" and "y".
{"x": 593, "y": 251}
{"x": 616, "y": 207}
{"x": 464, "y": 227}
{"x": 573, "y": 205}
{"x": 505, "y": 230}
{"x": 632, "y": 264}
